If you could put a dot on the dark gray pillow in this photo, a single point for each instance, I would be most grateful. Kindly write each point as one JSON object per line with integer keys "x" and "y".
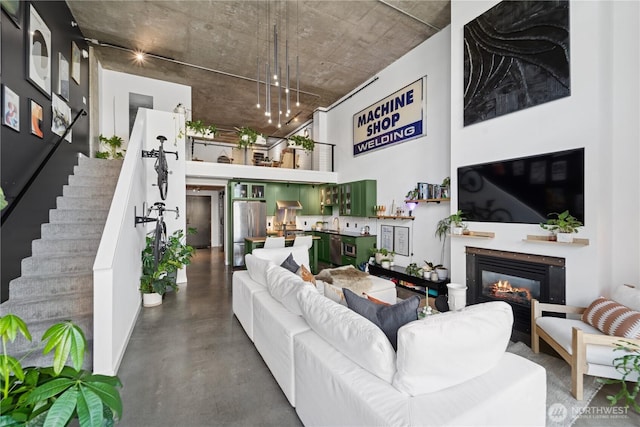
{"x": 389, "y": 318}
{"x": 290, "y": 264}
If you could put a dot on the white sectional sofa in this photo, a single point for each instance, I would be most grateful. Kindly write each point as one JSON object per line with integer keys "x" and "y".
{"x": 338, "y": 368}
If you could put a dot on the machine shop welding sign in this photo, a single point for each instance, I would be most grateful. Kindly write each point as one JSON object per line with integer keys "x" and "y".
{"x": 396, "y": 118}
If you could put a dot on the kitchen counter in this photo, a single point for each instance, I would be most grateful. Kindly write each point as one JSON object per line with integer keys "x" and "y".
{"x": 345, "y": 233}
{"x": 252, "y": 243}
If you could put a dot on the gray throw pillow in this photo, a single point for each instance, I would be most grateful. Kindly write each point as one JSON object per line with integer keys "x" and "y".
{"x": 389, "y": 318}
{"x": 290, "y": 264}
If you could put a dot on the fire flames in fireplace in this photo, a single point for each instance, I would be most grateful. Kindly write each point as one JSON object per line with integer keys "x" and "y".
{"x": 502, "y": 289}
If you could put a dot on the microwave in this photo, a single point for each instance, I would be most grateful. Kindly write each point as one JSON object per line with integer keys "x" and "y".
{"x": 349, "y": 249}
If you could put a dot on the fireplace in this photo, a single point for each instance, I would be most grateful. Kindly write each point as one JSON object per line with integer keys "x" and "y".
{"x": 515, "y": 278}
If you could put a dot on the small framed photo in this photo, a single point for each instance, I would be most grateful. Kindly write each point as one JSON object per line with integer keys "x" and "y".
{"x": 10, "y": 109}
{"x": 13, "y": 9}
{"x": 63, "y": 76}
{"x": 60, "y": 117}
{"x": 76, "y": 56}
{"x": 37, "y": 116}
{"x": 39, "y": 53}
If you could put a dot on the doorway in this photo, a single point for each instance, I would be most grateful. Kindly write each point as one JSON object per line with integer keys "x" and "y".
{"x": 199, "y": 217}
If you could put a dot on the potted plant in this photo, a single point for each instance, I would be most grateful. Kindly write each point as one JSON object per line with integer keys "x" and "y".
{"x": 385, "y": 263}
{"x": 302, "y": 141}
{"x": 155, "y": 282}
{"x": 413, "y": 270}
{"x": 562, "y": 226}
{"x": 54, "y": 395}
{"x": 412, "y": 195}
{"x": 627, "y": 365}
{"x": 200, "y": 129}
{"x": 246, "y": 137}
{"x": 112, "y": 144}
{"x": 444, "y": 187}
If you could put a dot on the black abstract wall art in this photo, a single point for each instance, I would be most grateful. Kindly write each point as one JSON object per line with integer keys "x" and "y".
{"x": 516, "y": 56}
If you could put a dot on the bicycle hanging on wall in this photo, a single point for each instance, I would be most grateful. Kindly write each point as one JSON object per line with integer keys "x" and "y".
{"x": 161, "y": 166}
{"x": 160, "y": 230}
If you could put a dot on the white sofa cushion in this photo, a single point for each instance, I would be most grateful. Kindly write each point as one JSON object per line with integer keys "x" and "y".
{"x": 627, "y": 295}
{"x": 278, "y": 255}
{"x": 257, "y": 268}
{"x": 450, "y": 348}
{"x": 284, "y": 286}
{"x": 356, "y": 337}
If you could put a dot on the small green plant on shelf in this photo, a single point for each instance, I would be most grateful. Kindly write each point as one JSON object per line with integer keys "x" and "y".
{"x": 177, "y": 255}
{"x": 445, "y": 186}
{"x": 627, "y": 365}
{"x": 412, "y": 194}
{"x": 54, "y": 395}
{"x": 199, "y": 127}
{"x": 430, "y": 266}
{"x": 246, "y": 137}
{"x": 413, "y": 270}
{"x": 562, "y": 223}
{"x": 303, "y": 141}
{"x": 112, "y": 144}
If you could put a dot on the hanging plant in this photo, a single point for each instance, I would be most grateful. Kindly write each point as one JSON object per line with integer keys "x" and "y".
{"x": 303, "y": 141}
{"x": 246, "y": 137}
{"x": 198, "y": 127}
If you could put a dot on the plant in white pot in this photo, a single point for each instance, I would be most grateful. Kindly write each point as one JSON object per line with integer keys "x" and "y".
{"x": 301, "y": 141}
{"x": 113, "y": 145}
{"x": 246, "y": 137}
{"x": 562, "y": 226}
{"x": 155, "y": 282}
{"x": 198, "y": 129}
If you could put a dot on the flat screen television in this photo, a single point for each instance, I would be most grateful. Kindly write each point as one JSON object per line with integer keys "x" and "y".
{"x": 523, "y": 190}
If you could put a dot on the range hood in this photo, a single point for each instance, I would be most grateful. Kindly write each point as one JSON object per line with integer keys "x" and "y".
{"x": 288, "y": 204}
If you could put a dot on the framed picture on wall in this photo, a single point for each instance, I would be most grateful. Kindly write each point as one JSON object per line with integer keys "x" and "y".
{"x": 76, "y": 55}
{"x": 39, "y": 53}
{"x": 10, "y": 109}
{"x": 63, "y": 76}
{"x": 401, "y": 240}
{"x": 37, "y": 116}
{"x": 60, "y": 117}
{"x": 13, "y": 9}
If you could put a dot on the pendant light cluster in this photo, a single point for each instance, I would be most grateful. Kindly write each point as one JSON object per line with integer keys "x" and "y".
{"x": 273, "y": 78}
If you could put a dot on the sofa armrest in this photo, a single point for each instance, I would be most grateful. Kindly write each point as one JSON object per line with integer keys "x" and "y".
{"x": 538, "y": 307}
{"x": 607, "y": 340}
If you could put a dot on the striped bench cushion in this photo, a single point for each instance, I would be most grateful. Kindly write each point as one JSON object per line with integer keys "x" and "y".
{"x": 613, "y": 318}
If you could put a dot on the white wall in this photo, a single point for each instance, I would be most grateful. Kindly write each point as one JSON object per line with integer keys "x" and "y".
{"x": 398, "y": 168}
{"x": 599, "y": 115}
{"x": 114, "y": 90}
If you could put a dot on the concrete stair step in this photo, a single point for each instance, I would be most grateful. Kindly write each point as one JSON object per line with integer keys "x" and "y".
{"x": 65, "y": 246}
{"x": 66, "y": 231}
{"x": 36, "y": 309}
{"x": 77, "y": 216}
{"x": 51, "y": 285}
{"x": 83, "y": 203}
{"x": 98, "y": 167}
{"x": 87, "y": 191}
{"x": 97, "y": 181}
{"x": 42, "y": 265}
{"x": 95, "y": 163}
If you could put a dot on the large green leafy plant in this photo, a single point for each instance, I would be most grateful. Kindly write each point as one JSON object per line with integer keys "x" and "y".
{"x": 626, "y": 365}
{"x": 563, "y": 222}
{"x": 113, "y": 145}
{"x": 177, "y": 255}
{"x": 54, "y": 395}
{"x": 303, "y": 141}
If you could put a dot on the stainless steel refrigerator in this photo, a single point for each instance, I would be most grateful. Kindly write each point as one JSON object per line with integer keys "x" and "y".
{"x": 249, "y": 220}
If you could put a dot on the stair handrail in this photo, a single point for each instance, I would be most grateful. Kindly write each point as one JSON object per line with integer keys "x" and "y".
{"x": 6, "y": 212}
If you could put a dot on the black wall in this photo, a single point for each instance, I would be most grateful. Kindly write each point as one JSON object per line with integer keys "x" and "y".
{"x": 21, "y": 152}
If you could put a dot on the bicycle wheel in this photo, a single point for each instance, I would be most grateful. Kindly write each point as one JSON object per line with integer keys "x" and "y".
{"x": 163, "y": 174}
{"x": 159, "y": 243}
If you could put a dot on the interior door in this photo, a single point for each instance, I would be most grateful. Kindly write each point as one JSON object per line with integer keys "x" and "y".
{"x": 199, "y": 217}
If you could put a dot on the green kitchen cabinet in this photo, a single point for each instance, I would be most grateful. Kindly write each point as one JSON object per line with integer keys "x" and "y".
{"x": 310, "y": 200}
{"x": 247, "y": 190}
{"x": 357, "y": 250}
{"x": 324, "y": 254}
{"x": 364, "y": 196}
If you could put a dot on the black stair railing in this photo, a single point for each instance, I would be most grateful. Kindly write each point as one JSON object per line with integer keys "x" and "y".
{"x": 13, "y": 203}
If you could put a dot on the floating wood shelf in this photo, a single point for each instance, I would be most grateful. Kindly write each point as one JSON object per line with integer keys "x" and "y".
{"x": 545, "y": 239}
{"x": 393, "y": 217}
{"x": 477, "y": 235}
{"x": 427, "y": 200}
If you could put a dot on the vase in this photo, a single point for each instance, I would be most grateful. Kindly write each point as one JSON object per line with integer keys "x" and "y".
{"x": 564, "y": 237}
{"x": 442, "y": 273}
{"x": 151, "y": 300}
{"x": 457, "y": 296}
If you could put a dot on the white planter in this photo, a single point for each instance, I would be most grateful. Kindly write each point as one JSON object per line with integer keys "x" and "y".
{"x": 379, "y": 257}
{"x": 386, "y": 264}
{"x": 426, "y": 274}
{"x": 457, "y": 296}
{"x": 565, "y": 237}
{"x": 434, "y": 276}
{"x": 457, "y": 230}
{"x": 443, "y": 273}
{"x": 151, "y": 300}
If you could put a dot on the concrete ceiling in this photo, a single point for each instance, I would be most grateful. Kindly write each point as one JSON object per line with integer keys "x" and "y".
{"x": 214, "y": 47}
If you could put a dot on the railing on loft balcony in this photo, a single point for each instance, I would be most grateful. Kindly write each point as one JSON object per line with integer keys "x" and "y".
{"x": 277, "y": 155}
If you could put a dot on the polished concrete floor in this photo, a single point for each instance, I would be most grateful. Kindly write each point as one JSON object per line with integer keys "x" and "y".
{"x": 190, "y": 364}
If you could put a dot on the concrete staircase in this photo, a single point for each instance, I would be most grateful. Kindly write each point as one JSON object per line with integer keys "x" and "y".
{"x": 57, "y": 280}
